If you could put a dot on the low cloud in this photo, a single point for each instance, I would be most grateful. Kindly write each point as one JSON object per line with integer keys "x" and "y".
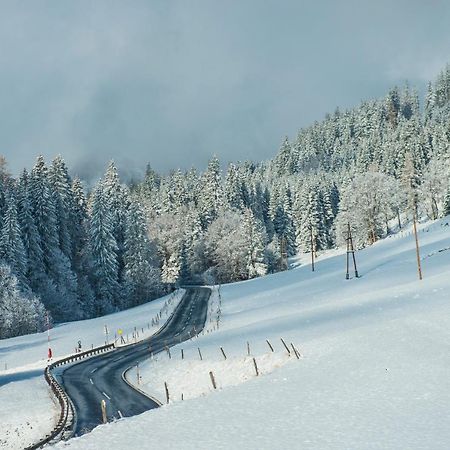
{"x": 172, "y": 83}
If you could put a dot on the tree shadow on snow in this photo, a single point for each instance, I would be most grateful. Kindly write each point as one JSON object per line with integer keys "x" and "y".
{"x": 20, "y": 376}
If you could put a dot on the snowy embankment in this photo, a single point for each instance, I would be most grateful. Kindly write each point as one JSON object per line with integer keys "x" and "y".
{"x": 191, "y": 369}
{"x": 374, "y": 374}
{"x": 28, "y": 411}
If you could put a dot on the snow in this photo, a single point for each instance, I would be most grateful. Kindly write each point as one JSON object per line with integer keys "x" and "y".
{"x": 27, "y": 410}
{"x": 374, "y": 371}
{"x": 374, "y": 374}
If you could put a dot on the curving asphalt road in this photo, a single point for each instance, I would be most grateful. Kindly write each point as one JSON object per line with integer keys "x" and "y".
{"x": 100, "y": 378}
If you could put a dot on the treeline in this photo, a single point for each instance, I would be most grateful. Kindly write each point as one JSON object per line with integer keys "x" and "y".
{"x": 388, "y": 158}
{"x": 74, "y": 256}
{"x": 372, "y": 166}
{"x": 79, "y": 254}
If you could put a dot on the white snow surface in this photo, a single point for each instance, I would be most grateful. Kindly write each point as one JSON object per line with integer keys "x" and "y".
{"x": 374, "y": 373}
{"x": 186, "y": 371}
{"x": 27, "y": 408}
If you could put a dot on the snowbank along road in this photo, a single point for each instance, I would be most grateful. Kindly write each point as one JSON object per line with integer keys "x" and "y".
{"x": 101, "y": 378}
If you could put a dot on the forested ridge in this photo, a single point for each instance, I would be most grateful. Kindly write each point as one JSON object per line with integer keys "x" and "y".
{"x": 80, "y": 254}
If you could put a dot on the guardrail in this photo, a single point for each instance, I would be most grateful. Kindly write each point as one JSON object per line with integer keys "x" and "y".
{"x": 132, "y": 386}
{"x": 67, "y": 414}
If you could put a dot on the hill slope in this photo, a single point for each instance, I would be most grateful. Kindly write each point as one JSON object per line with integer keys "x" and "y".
{"x": 374, "y": 372}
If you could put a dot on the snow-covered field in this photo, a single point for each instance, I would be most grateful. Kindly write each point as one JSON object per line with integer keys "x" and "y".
{"x": 27, "y": 409}
{"x": 187, "y": 370}
{"x": 374, "y": 373}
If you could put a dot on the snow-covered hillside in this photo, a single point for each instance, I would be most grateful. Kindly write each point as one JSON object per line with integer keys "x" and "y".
{"x": 27, "y": 410}
{"x": 374, "y": 372}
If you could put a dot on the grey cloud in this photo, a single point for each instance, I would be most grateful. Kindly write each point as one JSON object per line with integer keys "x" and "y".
{"x": 172, "y": 83}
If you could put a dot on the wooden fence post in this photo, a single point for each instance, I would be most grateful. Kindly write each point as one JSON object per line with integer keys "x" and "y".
{"x": 297, "y": 353}
{"x": 270, "y": 345}
{"x": 256, "y": 367}
{"x": 103, "y": 406}
{"x": 213, "y": 381}
{"x": 200, "y": 354}
{"x": 167, "y": 392}
{"x": 285, "y": 346}
{"x": 223, "y": 353}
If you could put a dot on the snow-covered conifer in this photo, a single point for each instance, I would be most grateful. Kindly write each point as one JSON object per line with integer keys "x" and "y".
{"x": 103, "y": 248}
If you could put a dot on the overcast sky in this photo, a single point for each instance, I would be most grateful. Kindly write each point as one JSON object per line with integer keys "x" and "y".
{"x": 173, "y": 82}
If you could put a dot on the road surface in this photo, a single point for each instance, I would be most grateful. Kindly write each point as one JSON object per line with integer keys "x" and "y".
{"x": 100, "y": 378}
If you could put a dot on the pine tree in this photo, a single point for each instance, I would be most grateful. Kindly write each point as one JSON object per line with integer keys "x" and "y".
{"x": 234, "y": 188}
{"x": 255, "y": 245}
{"x": 141, "y": 277}
{"x": 273, "y": 256}
{"x": 60, "y": 183}
{"x": 30, "y": 236}
{"x": 59, "y": 289}
{"x": 12, "y": 250}
{"x": 211, "y": 196}
{"x": 44, "y": 212}
{"x": 103, "y": 247}
{"x": 171, "y": 269}
{"x": 411, "y": 181}
{"x": 117, "y": 197}
{"x": 81, "y": 256}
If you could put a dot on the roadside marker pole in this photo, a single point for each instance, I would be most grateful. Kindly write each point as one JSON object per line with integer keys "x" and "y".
{"x": 256, "y": 367}
{"x": 103, "y": 406}
{"x": 285, "y": 346}
{"x": 213, "y": 381}
{"x": 350, "y": 250}
{"x": 419, "y": 267}
{"x": 167, "y": 392}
